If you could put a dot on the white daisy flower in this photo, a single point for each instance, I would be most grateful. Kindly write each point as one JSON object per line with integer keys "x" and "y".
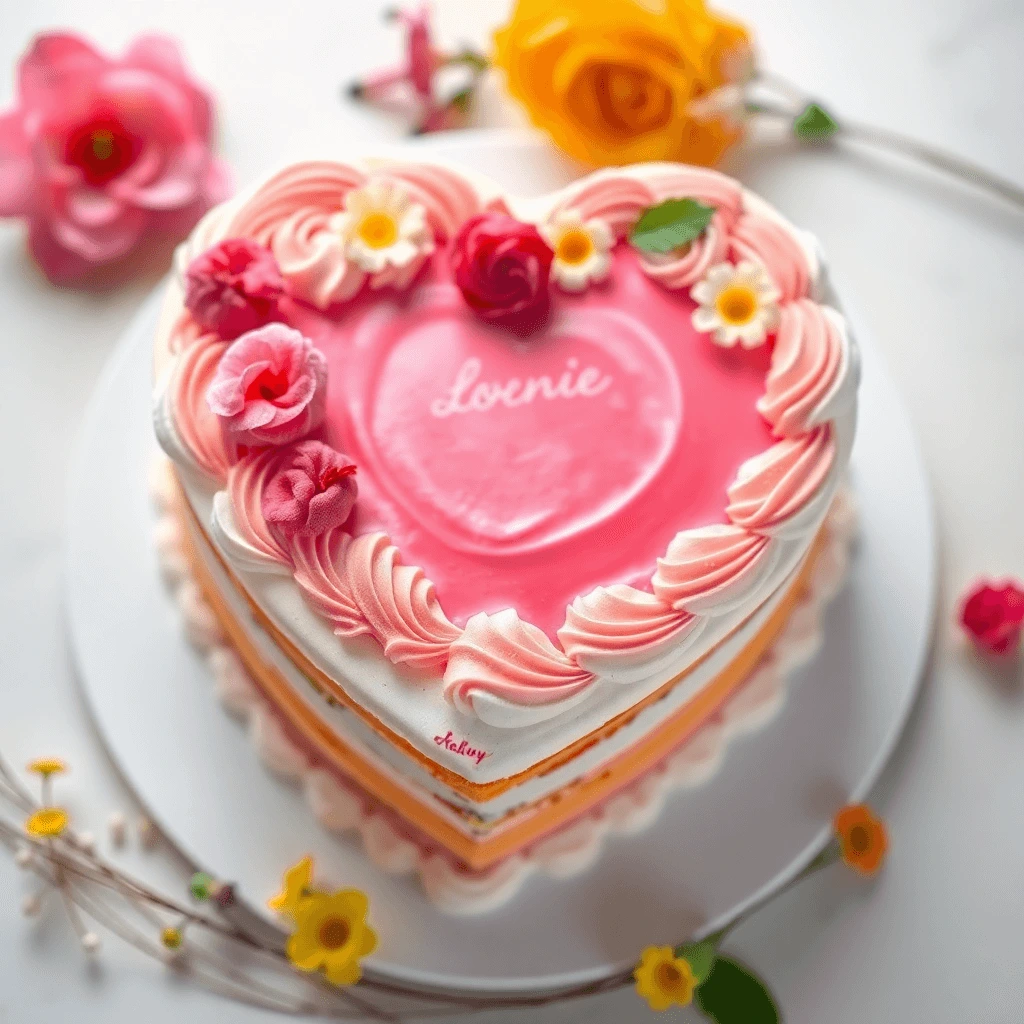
{"x": 582, "y": 249}
{"x": 736, "y": 303}
{"x": 383, "y": 230}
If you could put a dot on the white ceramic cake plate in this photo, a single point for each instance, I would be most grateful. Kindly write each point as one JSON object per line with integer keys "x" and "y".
{"x": 713, "y": 850}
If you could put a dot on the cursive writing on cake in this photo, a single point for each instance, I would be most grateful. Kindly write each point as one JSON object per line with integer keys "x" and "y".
{"x": 461, "y": 747}
{"x": 470, "y": 394}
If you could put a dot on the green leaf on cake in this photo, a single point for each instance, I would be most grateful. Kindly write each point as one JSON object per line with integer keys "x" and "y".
{"x": 814, "y": 124}
{"x": 700, "y": 956}
{"x": 732, "y": 995}
{"x": 671, "y": 225}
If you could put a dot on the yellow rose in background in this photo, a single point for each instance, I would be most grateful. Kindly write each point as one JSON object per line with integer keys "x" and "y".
{"x": 621, "y": 81}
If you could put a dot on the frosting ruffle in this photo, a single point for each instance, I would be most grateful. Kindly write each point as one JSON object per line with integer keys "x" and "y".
{"x": 503, "y": 656}
{"x": 780, "y": 492}
{"x": 447, "y": 197}
{"x": 398, "y": 602}
{"x": 814, "y": 373}
{"x": 767, "y": 241}
{"x": 713, "y": 569}
{"x": 185, "y": 424}
{"x": 616, "y": 199}
{"x": 238, "y": 521}
{"x": 611, "y": 623}
{"x": 361, "y": 588}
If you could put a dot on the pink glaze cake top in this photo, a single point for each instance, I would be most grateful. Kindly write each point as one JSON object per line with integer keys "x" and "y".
{"x": 512, "y": 452}
{"x": 523, "y": 472}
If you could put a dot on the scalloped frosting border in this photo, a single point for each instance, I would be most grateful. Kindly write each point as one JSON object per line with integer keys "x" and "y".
{"x": 567, "y": 851}
{"x": 500, "y": 668}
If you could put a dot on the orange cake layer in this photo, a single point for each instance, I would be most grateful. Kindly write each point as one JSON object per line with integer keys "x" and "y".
{"x": 482, "y": 791}
{"x": 523, "y": 826}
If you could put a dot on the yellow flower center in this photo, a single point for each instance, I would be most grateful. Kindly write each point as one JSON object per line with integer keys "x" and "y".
{"x": 574, "y": 247}
{"x": 669, "y": 977}
{"x": 378, "y": 230}
{"x": 47, "y": 822}
{"x": 737, "y": 304}
{"x": 334, "y": 933}
{"x": 102, "y": 144}
{"x": 860, "y": 838}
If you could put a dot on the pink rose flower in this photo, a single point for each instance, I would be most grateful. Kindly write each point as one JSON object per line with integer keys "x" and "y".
{"x": 503, "y": 267}
{"x": 99, "y": 153}
{"x": 270, "y": 387}
{"x": 993, "y": 616}
{"x": 311, "y": 492}
{"x": 234, "y": 287}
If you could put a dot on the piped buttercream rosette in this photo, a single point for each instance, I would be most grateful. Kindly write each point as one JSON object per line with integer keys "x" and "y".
{"x": 320, "y": 221}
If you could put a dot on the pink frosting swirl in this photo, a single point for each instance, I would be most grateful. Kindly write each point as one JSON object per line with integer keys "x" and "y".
{"x": 311, "y": 490}
{"x": 617, "y": 199}
{"x": 291, "y": 215}
{"x": 399, "y": 603}
{"x": 611, "y": 622}
{"x": 447, "y": 197}
{"x": 319, "y": 572}
{"x": 507, "y": 658}
{"x": 767, "y": 241}
{"x": 312, "y": 258}
{"x": 808, "y": 361}
{"x": 713, "y": 569}
{"x": 270, "y": 386}
{"x": 360, "y": 587}
{"x": 195, "y": 423}
{"x": 684, "y": 269}
{"x": 247, "y": 485}
{"x": 775, "y": 486}
{"x": 320, "y": 185}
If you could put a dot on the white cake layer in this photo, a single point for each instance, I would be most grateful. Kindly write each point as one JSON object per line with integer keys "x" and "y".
{"x": 414, "y": 778}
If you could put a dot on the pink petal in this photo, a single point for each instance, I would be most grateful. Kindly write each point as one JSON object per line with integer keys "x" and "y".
{"x": 91, "y": 208}
{"x": 178, "y": 183}
{"x": 54, "y": 59}
{"x": 161, "y": 54}
{"x": 59, "y": 264}
{"x": 16, "y": 173}
{"x": 103, "y": 243}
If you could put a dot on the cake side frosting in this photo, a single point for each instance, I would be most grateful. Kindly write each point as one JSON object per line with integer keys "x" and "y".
{"x": 496, "y": 666}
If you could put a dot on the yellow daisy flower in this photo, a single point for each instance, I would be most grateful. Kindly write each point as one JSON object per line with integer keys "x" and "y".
{"x": 332, "y": 934}
{"x": 47, "y": 766}
{"x": 663, "y": 978}
{"x": 47, "y": 822}
{"x": 298, "y": 880}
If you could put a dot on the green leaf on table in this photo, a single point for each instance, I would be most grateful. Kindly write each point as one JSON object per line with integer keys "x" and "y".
{"x": 671, "y": 225}
{"x": 732, "y": 995}
{"x": 814, "y": 124}
{"x": 700, "y": 956}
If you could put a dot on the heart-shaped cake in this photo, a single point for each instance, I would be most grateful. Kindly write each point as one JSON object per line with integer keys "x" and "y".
{"x": 500, "y": 501}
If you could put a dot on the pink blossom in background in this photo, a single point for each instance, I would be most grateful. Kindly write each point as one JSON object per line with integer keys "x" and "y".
{"x": 311, "y": 492}
{"x": 234, "y": 287}
{"x": 270, "y": 387}
{"x": 100, "y": 153}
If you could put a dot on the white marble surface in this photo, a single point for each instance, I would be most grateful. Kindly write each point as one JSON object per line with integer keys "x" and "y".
{"x": 936, "y": 274}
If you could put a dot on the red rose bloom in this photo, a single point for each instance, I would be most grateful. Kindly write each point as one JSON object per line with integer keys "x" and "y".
{"x": 503, "y": 266}
{"x": 993, "y": 616}
{"x": 233, "y": 288}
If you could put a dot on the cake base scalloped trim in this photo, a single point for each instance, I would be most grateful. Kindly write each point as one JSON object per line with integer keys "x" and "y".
{"x": 570, "y": 849}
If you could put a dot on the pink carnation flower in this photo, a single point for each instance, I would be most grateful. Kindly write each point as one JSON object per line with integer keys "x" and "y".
{"x": 312, "y": 492}
{"x": 270, "y": 387}
{"x": 99, "y": 153}
{"x": 234, "y": 287}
